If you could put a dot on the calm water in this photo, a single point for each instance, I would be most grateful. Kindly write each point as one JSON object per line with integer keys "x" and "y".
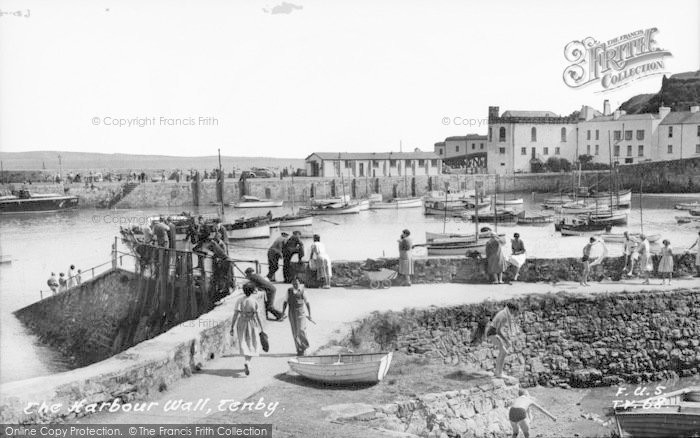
{"x": 41, "y": 244}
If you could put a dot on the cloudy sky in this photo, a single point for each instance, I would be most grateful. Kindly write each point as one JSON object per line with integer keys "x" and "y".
{"x": 286, "y": 79}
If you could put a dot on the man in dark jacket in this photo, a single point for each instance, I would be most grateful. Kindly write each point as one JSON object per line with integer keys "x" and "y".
{"x": 292, "y": 246}
{"x": 262, "y": 283}
{"x": 274, "y": 254}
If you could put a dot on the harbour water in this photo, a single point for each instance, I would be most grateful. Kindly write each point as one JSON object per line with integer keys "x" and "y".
{"x": 43, "y": 243}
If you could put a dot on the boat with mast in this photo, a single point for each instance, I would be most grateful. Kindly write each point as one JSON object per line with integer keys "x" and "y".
{"x": 333, "y": 206}
{"x": 399, "y": 202}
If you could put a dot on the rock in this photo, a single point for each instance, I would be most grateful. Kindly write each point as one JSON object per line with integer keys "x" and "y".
{"x": 349, "y": 411}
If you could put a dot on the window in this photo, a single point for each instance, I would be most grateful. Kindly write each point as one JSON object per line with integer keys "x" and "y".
{"x": 670, "y": 131}
{"x": 597, "y": 149}
{"x": 617, "y": 135}
{"x": 533, "y": 134}
{"x": 349, "y": 164}
{"x": 698, "y": 130}
{"x": 433, "y": 163}
{"x": 421, "y": 162}
{"x": 490, "y": 134}
{"x": 440, "y": 151}
{"x": 597, "y": 134}
{"x": 408, "y": 163}
{"x": 473, "y": 146}
{"x": 629, "y": 150}
{"x": 457, "y": 148}
{"x": 557, "y": 150}
{"x": 588, "y": 149}
{"x": 523, "y": 151}
{"x": 640, "y": 134}
{"x": 502, "y": 134}
{"x": 588, "y": 134}
{"x": 563, "y": 134}
{"x": 628, "y": 135}
{"x": 481, "y": 146}
{"x": 375, "y": 163}
{"x": 502, "y": 151}
{"x": 546, "y": 151}
{"x": 640, "y": 152}
{"x": 617, "y": 150}
{"x": 629, "y": 160}
{"x": 392, "y": 163}
{"x": 670, "y": 149}
{"x": 697, "y": 148}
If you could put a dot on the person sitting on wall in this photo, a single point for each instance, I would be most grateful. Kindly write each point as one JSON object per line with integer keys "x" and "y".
{"x": 270, "y": 290}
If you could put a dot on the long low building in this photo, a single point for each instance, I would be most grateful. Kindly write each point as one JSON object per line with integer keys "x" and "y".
{"x": 372, "y": 164}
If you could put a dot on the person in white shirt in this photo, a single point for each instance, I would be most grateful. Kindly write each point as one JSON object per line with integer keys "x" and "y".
{"x": 72, "y": 281}
{"x": 627, "y": 251}
{"x": 645, "y": 262}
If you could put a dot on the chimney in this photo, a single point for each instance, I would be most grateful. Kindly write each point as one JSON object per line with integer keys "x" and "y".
{"x": 606, "y": 107}
{"x": 493, "y": 112}
{"x": 695, "y": 109}
{"x": 586, "y": 112}
{"x": 617, "y": 114}
{"x": 663, "y": 112}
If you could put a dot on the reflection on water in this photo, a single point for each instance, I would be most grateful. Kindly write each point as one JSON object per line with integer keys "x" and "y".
{"x": 41, "y": 244}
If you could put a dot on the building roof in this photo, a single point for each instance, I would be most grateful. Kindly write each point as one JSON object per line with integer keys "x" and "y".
{"x": 511, "y": 113}
{"x": 681, "y": 118}
{"x": 466, "y": 137}
{"x": 376, "y": 155}
{"x": 440, "y": 143}
{"x": 623, "y": 117}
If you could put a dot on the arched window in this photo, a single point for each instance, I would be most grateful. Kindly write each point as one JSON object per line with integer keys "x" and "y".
{"x": 502, "y": 134}
{"x": 563, "y": 134}
{"x": 533, "y": 134}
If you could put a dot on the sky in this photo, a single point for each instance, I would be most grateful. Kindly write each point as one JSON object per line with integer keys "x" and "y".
{"x": 285, "y": 79}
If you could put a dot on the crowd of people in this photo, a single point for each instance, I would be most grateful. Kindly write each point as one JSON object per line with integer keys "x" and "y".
{"x": 64, "y": 281}
{"x": 285, "y": 247}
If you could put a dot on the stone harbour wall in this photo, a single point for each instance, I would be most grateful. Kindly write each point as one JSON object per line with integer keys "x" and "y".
{"x": 475, "y": 412}
{"x": 563, "y": 339}
{"x": 473, "y": 270}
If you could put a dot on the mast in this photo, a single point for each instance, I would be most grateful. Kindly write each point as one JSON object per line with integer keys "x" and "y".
{"x": 293, "y": 193}
{"x": 610, "y": 186}
{"x": 476, "y": 211}
{"x": 405, "y": 186}
{"x": 342, "y": 180}
{"x": 495, "y": 198}
{"x": 444, "y": 221}
{"x": 221, "y": 186}
{"x": 641, "y": 208}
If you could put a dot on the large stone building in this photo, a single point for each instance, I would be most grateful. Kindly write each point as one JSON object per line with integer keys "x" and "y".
{"x": 373, "y": 164}
{"x": 520, "y": 141}
{"x": 460, "y": 146}
{"x": 517, "y": 140}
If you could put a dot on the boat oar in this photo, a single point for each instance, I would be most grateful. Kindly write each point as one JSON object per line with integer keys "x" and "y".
{"x": 326, "y": 220}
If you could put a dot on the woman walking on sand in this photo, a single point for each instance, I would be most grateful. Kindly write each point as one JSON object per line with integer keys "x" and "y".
{"x": 299, "y": 312}
{"x": 246, "y": 326}
{"x": 666, "y": 263}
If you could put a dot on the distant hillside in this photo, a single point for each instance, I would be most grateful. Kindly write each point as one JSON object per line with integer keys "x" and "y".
{"x": 38, "y": 160}
{"x": 680, "y": 92}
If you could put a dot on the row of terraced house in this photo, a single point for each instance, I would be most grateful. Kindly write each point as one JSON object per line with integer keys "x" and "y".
{"x": 521, "y": 141}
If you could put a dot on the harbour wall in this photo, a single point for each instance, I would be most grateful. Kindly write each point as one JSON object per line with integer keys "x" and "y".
{"x": 473, "y": 270}
{"x": 480, "y": 410}
{"x": 676, "y": 176}
{"x": 562, "y": 339}
{"x": 124, "y": 379}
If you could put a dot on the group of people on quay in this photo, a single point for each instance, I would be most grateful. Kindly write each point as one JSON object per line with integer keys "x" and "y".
{"x": 64, "y": 282}
{"x": 285, "y": 247}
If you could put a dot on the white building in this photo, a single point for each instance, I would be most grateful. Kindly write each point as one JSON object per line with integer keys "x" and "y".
{"x": 679, "y": 135}
{"x": 460, "y": 146}
{"x": 517, "y": 140}
{"x": 373, "y": 164}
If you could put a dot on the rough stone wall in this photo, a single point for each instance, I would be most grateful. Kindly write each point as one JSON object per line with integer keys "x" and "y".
{"x": 471, "y": 270}
{"x": 565, "y": 339}
{"x": 673, "y": 176}
{"x": 84, "y": 321}
{"x": 479, "y": 411}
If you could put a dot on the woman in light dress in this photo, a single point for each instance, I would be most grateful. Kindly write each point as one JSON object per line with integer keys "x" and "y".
{"x": 299, "y": 312}
{"x": 321, "y": 262}
{"x": 406, "y": 257}
{"x": 246, "y": 326}
{"x": 497, "y": 263}
{"x": 645, "y": 262}
{"x": 666, "y": 263}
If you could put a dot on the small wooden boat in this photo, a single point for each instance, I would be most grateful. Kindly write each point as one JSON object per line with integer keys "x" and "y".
{"x": 484, "y": 234}
{"x": 397, "y": 203}
{"x": 552, "y": 203}
{"x": 674, "y": 414}
{"x": 343, "y": 368}
{"x": 255, "y": 202}
{"x": 364, "y": 204}
{"x": 616, "y": 217}
{"x": 688, "y": 206}
{"x": 687, "y": 219}
{"x": 620, "y": 237}
{"x": 23, "y": 201}
{"x": 509, "y": 202}
{"x": 456, "y": 249}
{"x": 502, "y": 216}
{"x": 292, "y": 220}
{"x": 695, "y": 212}
{"x": 331, "y": 209}
{"x": 578, "y": 227}
{"x": 621, "y": 198}
{"x": 252, "y": 228}
{"x": 535, "y": 218}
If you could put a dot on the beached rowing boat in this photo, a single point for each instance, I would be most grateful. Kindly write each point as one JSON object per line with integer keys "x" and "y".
{"x": 397, "y": 203}
{"x": 343, "y": 368}
{"x": 255, "y": 202}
